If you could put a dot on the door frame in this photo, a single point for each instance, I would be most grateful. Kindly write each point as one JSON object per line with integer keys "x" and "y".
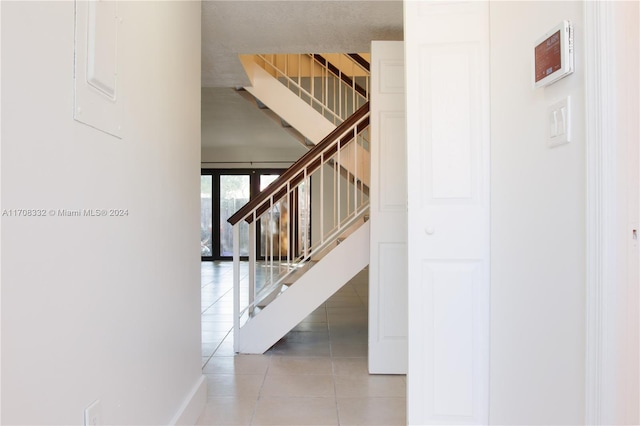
{"x": 254, "y": 189}
{"x": 609, "y": 392}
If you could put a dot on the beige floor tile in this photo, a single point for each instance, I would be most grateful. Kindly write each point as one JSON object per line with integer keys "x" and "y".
{"x": 297, "y": 381}
{"x": 306, "y": 336}
{"x": 224, "y": 349}
{"x": 341, "y": 310}
{"x": 208, "y": 348}
{"x": 348, "y": 350}
{"x": 213, "y": 336}
{"x": 296, "y": 411}
{"x": 217, "y": 326}
{"x": 345, "y": 301}
{"x": 353, "y": 318}
{"x": 241, "y": 385}
{"x": 228, "y": 411}
{"x": 288, "y": 365}
{"x": 353, "y": 335}
{"x": 239, "y": 364}
{"x": 372, "y": 411}
{"x": 300, "y": 349}
{"x": 348, "y": 328}
{"x": 347, "y": 290}
{"x": 318, "y": 317}
{"x": 312, "y": 326}
{"x": 217, "y": 316}
{"x": 321, "y": 310}
{"x": 221, "y": 307}
{"x": 370, "y": 386}
{"x": 350, "y": 367}
{"x": 298, "y": 386}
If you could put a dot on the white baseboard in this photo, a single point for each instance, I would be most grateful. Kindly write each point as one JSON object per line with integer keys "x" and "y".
{"x": 193, "y": 404}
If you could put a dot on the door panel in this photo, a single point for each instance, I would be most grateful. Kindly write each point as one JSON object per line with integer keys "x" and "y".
{"x": 447, "y": 47}
{"x": 388, "y": 212}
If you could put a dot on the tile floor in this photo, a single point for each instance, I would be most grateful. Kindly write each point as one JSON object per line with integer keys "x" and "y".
{"x": 316, "y": 375}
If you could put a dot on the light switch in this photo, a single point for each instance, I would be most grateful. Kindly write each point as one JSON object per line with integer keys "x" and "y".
{"x": 559, "y": 123}
{"x": 553, "y": 126}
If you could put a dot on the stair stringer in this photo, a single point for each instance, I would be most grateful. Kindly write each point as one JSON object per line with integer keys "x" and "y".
{"x": 306, "y": 294}
{"x": 299, "y": 114}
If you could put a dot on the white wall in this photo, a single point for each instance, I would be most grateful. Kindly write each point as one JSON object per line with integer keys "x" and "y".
{"x": 538, "y": 226}
{"x": 100, "y": 308}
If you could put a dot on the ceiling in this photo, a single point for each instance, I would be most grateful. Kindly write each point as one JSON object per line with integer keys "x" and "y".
{"x": 229, "y": 120}
{"x": 237, "y": 27}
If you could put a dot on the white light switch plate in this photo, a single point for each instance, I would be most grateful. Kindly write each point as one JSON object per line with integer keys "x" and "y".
{"x": 559, "y": 123}
{"x": 93, "y": 414}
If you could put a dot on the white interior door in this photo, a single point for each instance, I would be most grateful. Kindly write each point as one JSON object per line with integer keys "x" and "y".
{"x": 447, "y": 62}
{"x": 388, "y": 198}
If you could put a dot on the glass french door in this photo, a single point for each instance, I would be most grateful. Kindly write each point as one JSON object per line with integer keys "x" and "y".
{"x": 206, "y": 217}
{"x": 223, "y": 192}
{"x": 273, "y": 227}
{"x": 234, "y": 192}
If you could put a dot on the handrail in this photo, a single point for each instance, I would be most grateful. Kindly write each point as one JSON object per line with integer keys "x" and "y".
{"x": 292, "y": 172}
{"x": 364, "y": 64}
{"x": 342, "y": 76}
{"x": 335, "y": 105}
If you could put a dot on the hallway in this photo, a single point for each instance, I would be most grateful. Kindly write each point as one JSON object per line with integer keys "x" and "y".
{"x": 316, "y": 375}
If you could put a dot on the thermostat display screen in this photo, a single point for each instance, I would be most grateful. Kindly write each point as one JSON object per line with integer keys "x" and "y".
{"x": 548, "y": 56}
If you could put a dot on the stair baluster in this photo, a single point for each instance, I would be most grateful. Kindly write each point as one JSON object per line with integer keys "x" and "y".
{"x": 281, "y": 242}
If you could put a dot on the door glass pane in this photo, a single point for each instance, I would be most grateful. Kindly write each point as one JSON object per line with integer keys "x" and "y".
{"x": 304, "y": 217}
{"x": 273, "y": 230}
{"x": 265, "y": 180}
{"x": 206, "y": 247}
{"x": 234, "y": 193}
{"x": 273, "y": 225}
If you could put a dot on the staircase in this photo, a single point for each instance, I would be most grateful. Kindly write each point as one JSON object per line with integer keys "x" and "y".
{"x": 288, "y": 84}
{"x": 307, "y": 232}
{"x": 312, "y": 95}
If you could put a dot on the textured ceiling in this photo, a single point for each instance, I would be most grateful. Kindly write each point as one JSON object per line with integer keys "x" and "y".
{"x": 229, "y": 120}
{"x": 230, "y": 28}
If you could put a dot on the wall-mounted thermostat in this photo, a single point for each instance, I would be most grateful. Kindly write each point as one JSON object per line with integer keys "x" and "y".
{"x": 553, "y": 55}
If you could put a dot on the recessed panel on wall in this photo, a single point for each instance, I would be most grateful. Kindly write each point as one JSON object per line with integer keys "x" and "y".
{"x": 97, "y": 93}
{"x": 393, "y": 301}
{"x": 391, "y": 77}
{"x": 393, "y": 149}
{"x": 451, "y": 128}
{"x": 450, "y": 289}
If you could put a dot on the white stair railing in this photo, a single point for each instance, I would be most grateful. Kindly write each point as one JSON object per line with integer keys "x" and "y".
{"x": 325, "y": 86}
{"x": 281, "y": 216}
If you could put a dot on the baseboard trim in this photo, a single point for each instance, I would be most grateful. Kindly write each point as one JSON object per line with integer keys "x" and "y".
{"x": 193, "y": 404}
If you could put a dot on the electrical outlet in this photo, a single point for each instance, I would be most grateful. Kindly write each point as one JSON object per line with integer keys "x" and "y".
{"x": 93, "y": 414}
